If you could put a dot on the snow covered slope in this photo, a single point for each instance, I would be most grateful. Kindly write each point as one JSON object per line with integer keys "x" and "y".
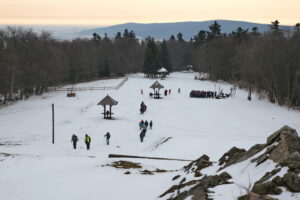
{"x": 35, "y": 169}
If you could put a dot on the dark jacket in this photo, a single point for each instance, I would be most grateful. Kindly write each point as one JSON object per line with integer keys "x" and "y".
{"x": 74, "y": 138}
{"x": 107, "y": 135}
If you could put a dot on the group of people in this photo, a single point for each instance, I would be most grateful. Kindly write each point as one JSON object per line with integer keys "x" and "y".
{"x": 167, "y": 91}
{"x": 87, "y": 140}
{"x": 209, "y": 94}
{"x": 143, "y": 108}
{"x": 144, "y": 126}
{"x": 203, "y": 94}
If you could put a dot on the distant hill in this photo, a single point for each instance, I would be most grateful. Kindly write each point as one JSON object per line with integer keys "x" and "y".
{"x": 165, "y": 30}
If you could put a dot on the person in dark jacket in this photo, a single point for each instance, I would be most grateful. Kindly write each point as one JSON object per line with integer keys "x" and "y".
{"x": 107, "y": 135}
{"x": 87, "y": 140}
{"x": 146, "y": 124}
{"x": 151, "y": 124}
{"x": 74, "y": 139}
{"x": 143, "y": 134}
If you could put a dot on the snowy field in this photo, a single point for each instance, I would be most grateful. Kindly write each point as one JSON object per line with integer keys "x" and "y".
{"x": 41, "y": 170}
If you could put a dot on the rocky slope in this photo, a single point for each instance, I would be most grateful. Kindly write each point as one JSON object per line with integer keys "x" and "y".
{"x": 267, "y": 171}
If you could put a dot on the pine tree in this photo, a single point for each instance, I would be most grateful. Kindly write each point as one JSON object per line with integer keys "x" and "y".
{"x": 180, "y": 37}
{"x": 200, "y": 38}
{"x": 151, "y": 58}
{"x": 125, "y": 34}
{"x": 297, "y": 27}
{"x": 131, "y": 35}
{"x": 165, "y": 57}
{"x": 118, "y": 36}
{"x": 96, "y": 37}
{"x": 275, "y": 26}
{"x": 240, "y": 33}
{"x": 172, "y": 38}
{"x": 214, "y": 31}
{"x": 106, "y": 71}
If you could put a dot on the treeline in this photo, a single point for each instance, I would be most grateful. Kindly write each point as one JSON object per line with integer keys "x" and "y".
{"x": 30, "y": 62}
{"x": 268, "y": 62}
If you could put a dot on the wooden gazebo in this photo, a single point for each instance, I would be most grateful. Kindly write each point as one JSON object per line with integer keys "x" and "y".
{"x": 156, "y": 86}
{"x": 107, "y": 101}
{"x": 162, "y": 72}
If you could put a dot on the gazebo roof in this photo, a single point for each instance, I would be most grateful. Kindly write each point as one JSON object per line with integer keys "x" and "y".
{"x": 156, "y": 84}
{"x": 107, "y": 101}
{"x": 162, "y": 70}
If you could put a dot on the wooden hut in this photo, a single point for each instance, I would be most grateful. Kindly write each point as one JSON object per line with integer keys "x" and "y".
{"x": 189, "y": 68}
{"x": 162, "y": 72}
{"x": 107, "y": 101}
{"x": 156, "y": 86}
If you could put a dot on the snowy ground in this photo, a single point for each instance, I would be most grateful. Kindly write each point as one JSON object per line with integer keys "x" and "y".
{"x": 41, "y": 170}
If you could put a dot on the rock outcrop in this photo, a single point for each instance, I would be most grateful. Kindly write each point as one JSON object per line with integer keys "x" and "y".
{"x": 282, "y": 147}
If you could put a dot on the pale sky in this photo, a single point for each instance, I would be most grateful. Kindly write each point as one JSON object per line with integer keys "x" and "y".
{"x": 109, "y": 12}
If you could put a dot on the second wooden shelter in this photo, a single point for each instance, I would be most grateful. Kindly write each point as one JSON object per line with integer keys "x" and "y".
{"x": 156, "y": 86}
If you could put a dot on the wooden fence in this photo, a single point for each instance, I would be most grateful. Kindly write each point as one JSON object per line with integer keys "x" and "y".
{"x": 59, "y": 88}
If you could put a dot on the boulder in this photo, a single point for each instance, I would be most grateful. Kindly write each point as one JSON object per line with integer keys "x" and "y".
{"x": 278, "y": 181}
{"x": 254, "y": 196}
{"x": 292, "y": 162}
{"x": 268, "y": 175}
{"x": 229, "y": 155}
{"x": 285, "y": 130}
{"x": 266, "y": 188}
{"x": 292, "y": 181}
{"x": 200, "y": 190}
{"x": 198, "y": 165}
{"x": 239, "y": 157}
{"x": 288, "y": 148}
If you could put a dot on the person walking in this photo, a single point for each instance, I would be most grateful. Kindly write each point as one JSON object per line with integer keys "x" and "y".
{"x": 146, "y": 124}
{"x": 107, "y": 135}
{"x": 141, "y": 124}
{"x": 87, "y": 140}
{"x": 151, "y": 124}
{"x": 74, "y": 140}
{"x": 179, "y": 90}
{"x": 142, "y": 91}
{"x": 143, "y": 134}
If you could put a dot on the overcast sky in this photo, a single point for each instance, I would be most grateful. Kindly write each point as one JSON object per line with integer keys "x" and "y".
{"x": 109, "y": 12}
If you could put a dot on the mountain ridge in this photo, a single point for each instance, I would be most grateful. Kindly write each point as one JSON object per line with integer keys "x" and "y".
{"x": 165, "y": 30}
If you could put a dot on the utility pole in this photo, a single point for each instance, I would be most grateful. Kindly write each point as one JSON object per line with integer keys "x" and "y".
{"x": 52, "y": 123}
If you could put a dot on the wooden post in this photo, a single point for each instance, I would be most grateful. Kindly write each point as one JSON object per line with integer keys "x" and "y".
{"x": 104, "y": 111}
{"x": 110, "y": 111}
{"x": 52, "y": 123}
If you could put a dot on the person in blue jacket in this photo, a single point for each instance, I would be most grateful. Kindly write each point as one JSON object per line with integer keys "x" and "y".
{"x": 143, "y": 134}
